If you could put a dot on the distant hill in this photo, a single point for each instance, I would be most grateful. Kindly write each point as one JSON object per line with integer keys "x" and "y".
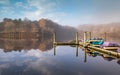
{"x": 112, "y": 30}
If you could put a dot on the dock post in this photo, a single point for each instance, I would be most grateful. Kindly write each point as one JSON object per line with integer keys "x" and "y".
{"x": 54, "y": 38}
{"x": 76, "y": 50}
{"x": 54, "y": 50}
{"x": 77, "y": 42}
{"x": 89, "y": 35}
{"x": 85, "y": 37}
{"x": 105, "y": 36}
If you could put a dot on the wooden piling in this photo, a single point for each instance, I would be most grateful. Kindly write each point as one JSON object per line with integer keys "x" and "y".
{"x": 77, "y": 42}
{"x": 85, "y": 38}
{"x": 89, "y": 37}
{"x": 54, "y": 50}
{"x": 54, "y": 38}
{"x": 105, "y": 36}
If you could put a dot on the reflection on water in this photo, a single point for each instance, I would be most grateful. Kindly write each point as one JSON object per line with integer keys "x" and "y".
{"x": 36, "y": 57}
{"x": 25, "y": 44}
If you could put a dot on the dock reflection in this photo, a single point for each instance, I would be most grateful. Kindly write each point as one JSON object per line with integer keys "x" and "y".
{"x": 85, "y": 56}
{"x": 91, "y": 53}
{"x": 76, "y": 50}
{"x": 77, "y": 46}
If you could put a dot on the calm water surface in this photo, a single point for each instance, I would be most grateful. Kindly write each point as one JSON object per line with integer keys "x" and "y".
{"x": 31, "y": 57}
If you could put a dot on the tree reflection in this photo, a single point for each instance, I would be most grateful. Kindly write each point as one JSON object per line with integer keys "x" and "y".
{"x": 25, "y": 44}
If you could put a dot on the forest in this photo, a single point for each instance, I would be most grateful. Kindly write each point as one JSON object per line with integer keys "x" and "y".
{"x": 44, "y": 27}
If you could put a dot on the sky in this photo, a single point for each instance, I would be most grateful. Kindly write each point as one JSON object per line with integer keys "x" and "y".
{"x": 64, "y": 12}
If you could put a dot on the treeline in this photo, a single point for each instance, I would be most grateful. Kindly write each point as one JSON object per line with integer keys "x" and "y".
{"x": 44, "y": 27}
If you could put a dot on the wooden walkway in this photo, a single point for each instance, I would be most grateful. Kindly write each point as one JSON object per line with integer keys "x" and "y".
{"x": 116, "y": 54}
{"x": 64, "y": 43}
{"x": 88, "y": 45}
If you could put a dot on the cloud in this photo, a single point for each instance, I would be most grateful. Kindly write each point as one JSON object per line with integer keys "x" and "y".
{"x": 23, "y": 5}
{"x": 55, "y": 16}
{"x": 34, "y": 53}
{"x": 42, "y": 5}
{"x": 42, "y": 66}
{"x": 4, "y": 2}
{"x": 19, "y": 4}
{"x": 6, "y": 12}
{"x": 44, "y": 9}
{"x": 6, "y": 65}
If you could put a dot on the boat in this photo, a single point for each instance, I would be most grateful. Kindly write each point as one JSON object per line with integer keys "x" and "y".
{"x": 96, "y": 43}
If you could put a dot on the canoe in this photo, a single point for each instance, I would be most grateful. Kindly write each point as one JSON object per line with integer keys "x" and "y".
{"x": 109, "y": 44}
{"x": 97, "y": 42}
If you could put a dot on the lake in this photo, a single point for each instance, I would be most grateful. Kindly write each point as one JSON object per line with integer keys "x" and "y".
{"x": 35, "y": 57}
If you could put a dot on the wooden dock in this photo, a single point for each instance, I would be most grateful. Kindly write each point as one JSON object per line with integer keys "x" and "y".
{"x": 64, "y": 43}
{"x": 88, "y": 45}
{"x": 116, "y": 54}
